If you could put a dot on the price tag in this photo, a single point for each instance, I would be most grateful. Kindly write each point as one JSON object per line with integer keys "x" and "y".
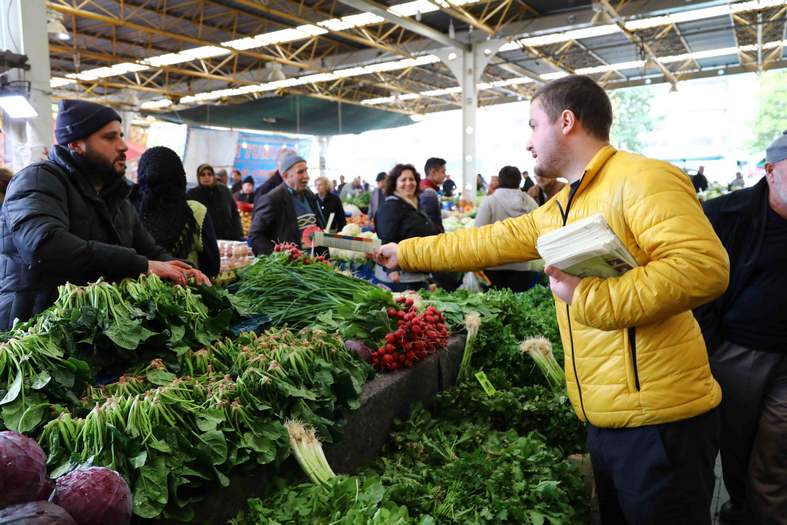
{"x": 485, "y": 384}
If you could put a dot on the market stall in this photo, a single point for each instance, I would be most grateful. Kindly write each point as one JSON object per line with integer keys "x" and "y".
{"x": 162, "y": 385}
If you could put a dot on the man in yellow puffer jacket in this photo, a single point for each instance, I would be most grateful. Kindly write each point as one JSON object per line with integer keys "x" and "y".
{"x": 636, "y": 366}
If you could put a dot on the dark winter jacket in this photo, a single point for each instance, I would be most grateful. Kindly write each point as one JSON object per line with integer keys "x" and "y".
{"x": 222, "y": 210}
{"x": 55, "y": 227}
{"x": 397, "y": 220}
{"x": 244, "y": 197}
{"x": 273, "y": 182}
{"x": 274, "y": 220}
{"x": 700, "y": 182}
{"x": 429, "y": 202}
{"x": 739, "y": 219}
{"x": 333, "y": 204}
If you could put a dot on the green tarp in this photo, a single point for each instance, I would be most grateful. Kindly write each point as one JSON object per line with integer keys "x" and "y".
{"x": 292, "y": 114}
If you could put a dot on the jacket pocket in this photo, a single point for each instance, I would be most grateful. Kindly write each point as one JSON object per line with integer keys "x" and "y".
{"x": 630, "y": 359}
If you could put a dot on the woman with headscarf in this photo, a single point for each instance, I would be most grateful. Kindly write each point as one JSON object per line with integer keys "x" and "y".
{"x": 182, "y": 227}
{"x": 221, "y": 206}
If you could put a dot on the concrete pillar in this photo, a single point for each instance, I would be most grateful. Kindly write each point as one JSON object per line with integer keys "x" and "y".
{"x": 23, "y": 28}
{"x": 467, "y": 66}
{"x": 323, "y": 142}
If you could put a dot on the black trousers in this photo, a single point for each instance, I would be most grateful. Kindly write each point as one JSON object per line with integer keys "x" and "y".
{"x": 754, "y": 430}
{"x": 514, "y": 280}
{"x": 656, "y": 474}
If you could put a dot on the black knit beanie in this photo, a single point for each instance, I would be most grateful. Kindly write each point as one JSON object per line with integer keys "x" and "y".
{"x": 77, "y": 119}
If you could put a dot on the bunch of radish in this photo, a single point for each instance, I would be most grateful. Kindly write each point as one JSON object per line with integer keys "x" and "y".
{"x": 416, "y": 336}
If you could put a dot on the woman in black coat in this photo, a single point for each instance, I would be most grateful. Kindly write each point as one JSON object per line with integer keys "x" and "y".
{"x": 398, "y": 219}
{"x": 182, "y": 227}
{"x": 221, "y": 206}
{"x": 330, "y": 203}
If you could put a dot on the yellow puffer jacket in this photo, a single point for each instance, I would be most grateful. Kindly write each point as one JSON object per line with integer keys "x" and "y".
{"x": 634, "y": 353}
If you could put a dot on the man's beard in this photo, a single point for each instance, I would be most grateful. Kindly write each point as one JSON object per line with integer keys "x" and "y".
{"x": 100, "y": 169}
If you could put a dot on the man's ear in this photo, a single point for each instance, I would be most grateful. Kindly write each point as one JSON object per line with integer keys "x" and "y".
{"x": 568, "y": 121}
{"x": 78, "y": 146}
{"x": 769, "y": 172}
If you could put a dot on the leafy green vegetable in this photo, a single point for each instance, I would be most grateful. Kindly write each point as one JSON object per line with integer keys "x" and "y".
{"x": 342, "y": 500}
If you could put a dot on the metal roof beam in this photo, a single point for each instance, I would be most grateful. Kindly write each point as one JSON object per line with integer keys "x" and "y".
{"x": 295, "y": 19}
{"x": 635, "y": 39}
{"x": 459, "y": 13}
{"x": 410, "y": 25}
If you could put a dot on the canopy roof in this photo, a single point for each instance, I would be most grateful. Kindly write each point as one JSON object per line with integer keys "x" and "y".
{"x": 291, "y": 114}
{"x": 174, "y": 54}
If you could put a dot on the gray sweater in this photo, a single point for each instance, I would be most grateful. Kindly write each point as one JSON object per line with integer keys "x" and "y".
{"x": 505, "y": 203}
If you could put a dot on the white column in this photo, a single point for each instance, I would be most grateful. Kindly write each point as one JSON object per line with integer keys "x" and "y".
{"x": 469, "y": 109}
{"x": 468, "y": 66}
{"x": 323, "y": 142}
{"x": 24, "y": 31}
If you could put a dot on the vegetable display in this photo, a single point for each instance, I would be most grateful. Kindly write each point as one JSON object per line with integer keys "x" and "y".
{"x": 170, "y": 435}
{"x": 143, "y": 401}
{"x": 481, "y": 457}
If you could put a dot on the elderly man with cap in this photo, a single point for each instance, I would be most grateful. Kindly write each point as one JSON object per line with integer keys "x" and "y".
{"x": 276, "y": 178}
{"x": 746, "y": 334}
{"x": 67, "y": 218}
{"x": 283, "y": 214}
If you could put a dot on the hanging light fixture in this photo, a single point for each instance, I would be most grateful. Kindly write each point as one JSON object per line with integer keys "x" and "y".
{"x": 276, "y": 72}
{"x": 55, "y": 26}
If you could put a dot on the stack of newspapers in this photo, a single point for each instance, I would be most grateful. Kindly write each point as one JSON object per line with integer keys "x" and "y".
{"x": 586, "y": 248}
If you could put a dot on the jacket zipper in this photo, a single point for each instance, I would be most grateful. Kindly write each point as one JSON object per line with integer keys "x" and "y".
{"x": 568, "y": 315}
{"x": 633, "y": 349}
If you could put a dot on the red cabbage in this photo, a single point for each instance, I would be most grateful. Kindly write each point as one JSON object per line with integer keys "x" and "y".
{"x": 360, "y": 349}
{"x": 94, "y": 496}
{"x": 22, "y": 469}
{"x": 35, "y": 513}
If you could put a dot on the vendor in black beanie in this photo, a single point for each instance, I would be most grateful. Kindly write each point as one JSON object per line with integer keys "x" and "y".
{"x": 67, "y": 218}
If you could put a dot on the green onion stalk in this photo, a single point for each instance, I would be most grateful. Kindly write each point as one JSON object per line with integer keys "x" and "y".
{"x": 540, "y": 350}
{"x": 308, "y": 451}
{"x": 295, "y": 294}
{"x": 473, "y": 325}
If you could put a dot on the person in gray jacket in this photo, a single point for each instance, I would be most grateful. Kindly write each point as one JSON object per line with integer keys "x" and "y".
{"x": 506, "y": 202}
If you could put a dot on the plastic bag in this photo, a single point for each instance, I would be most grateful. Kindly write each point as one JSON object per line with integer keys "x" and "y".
{"x": 471, "y": 283}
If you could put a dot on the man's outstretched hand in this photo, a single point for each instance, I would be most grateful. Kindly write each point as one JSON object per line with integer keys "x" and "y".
{"x": 177, "y": 272}
{"x": 562, "y": 284}
{"x": 385, "y": 256}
